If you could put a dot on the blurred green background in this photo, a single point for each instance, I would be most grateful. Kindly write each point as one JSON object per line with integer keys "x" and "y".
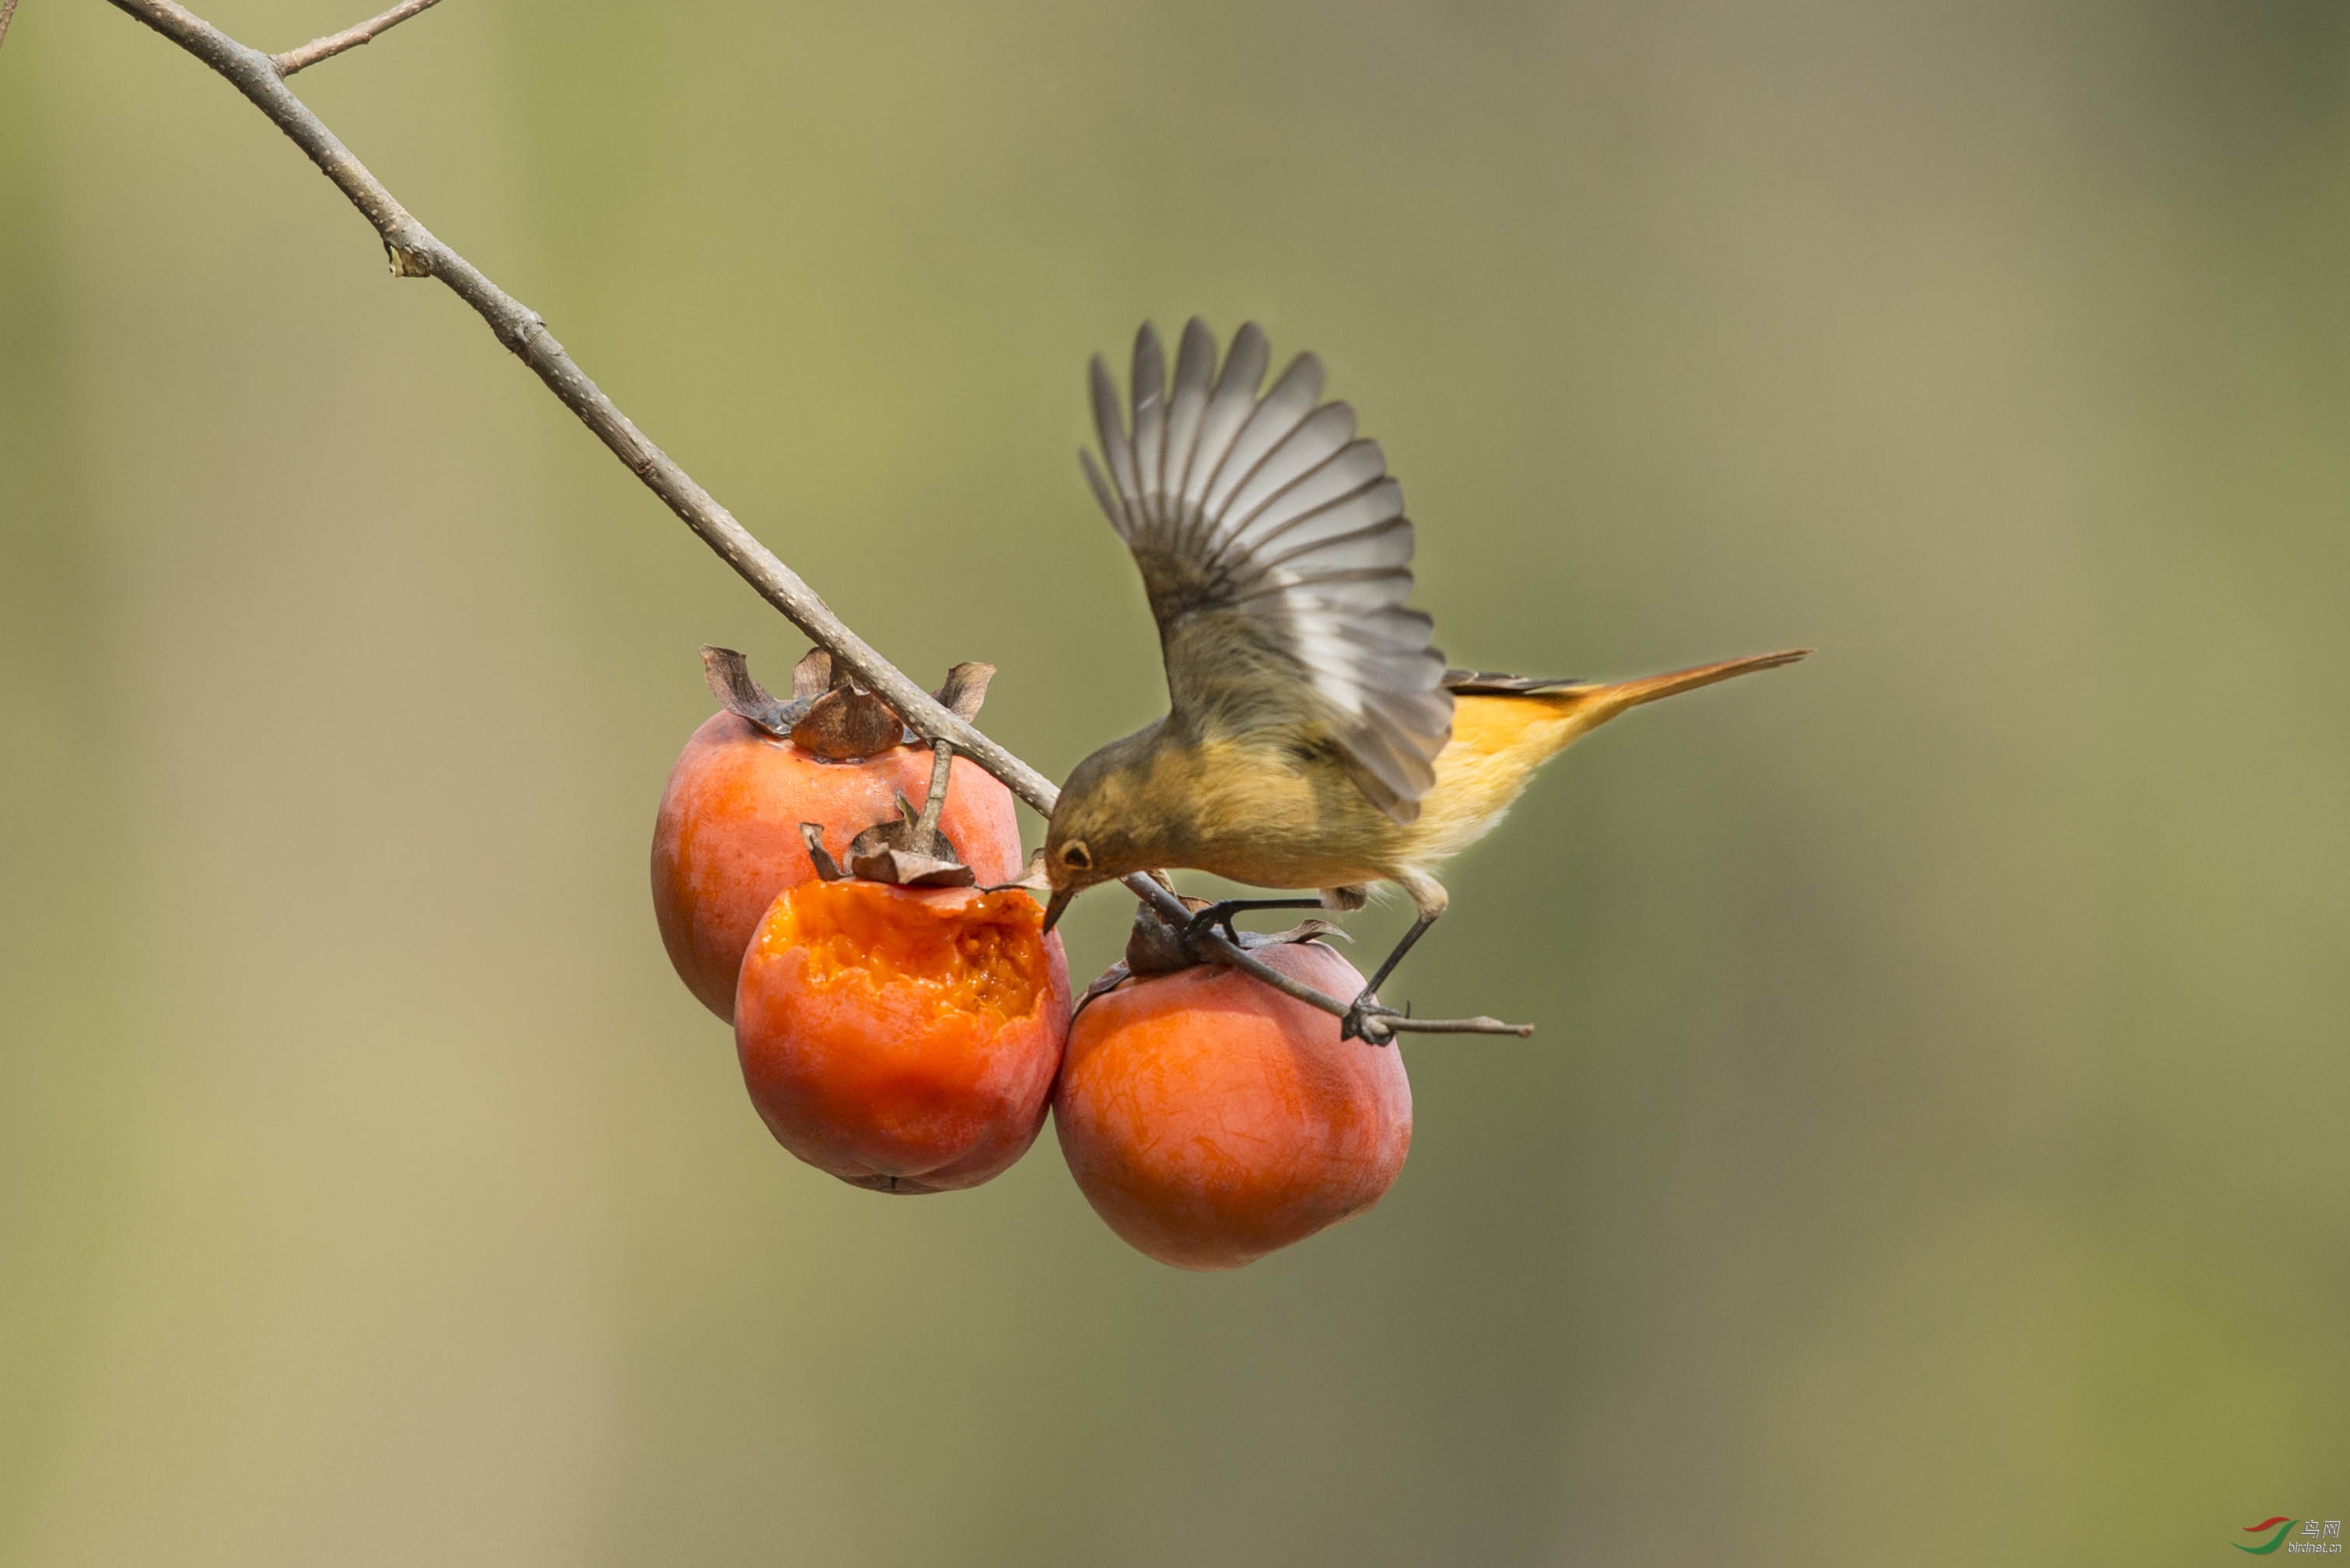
{"x": 1933, "y": 1147}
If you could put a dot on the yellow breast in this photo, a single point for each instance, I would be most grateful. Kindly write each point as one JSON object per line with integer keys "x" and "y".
{"x": 1288, "y": 824}
{"x": 1497, "y": 742}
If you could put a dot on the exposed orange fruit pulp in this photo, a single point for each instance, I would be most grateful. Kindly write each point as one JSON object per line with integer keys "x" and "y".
{"x": 981, "y": 957}
{"x": 903, "y": 1039}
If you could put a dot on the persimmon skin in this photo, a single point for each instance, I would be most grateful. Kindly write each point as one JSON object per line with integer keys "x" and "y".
{"x": 727, "y": 839}
{"x": 902, "y": 1039}
{"x": 1211, "y": 1120}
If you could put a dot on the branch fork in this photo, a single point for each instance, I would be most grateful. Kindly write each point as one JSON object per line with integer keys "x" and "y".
{"x": 333, "y": 43}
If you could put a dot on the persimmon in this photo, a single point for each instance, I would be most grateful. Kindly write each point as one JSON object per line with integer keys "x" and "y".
{"x": 727, "y": 838}
{"x": 903, "y": 1039}
{"x": 1209, "y": 1119}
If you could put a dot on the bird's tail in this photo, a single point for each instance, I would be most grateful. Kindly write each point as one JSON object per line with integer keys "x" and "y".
{"x": 1506, "y": 726}
{"x": 1596, "y": 704}
{"x": 1571, "y": 708}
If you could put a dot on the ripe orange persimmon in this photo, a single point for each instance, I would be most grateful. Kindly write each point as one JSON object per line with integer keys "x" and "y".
{"x": 903, "y": 1039}
{"x": 728, "y": 836}
{"x": 1210, "y": 1119}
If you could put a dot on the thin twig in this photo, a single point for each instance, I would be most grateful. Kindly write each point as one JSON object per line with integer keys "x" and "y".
{"x": 415, "y": 251}
{"x": 333, "y": 43}
{"x": 7, "y": 15}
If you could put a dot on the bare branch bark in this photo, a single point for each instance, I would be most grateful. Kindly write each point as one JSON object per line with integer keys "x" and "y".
{"x": 7, "y": 15}
{"x": 333, "y": 43}
{"x": 415, "y": 251}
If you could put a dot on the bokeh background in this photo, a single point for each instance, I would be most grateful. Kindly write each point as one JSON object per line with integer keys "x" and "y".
{"x": 1933, "y": 1147}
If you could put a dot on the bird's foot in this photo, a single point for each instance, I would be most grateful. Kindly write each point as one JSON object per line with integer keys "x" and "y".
{"x": 1221, "y": 911}
{"x": 1208, "y": 919}
{"x": 1362, "y": 1021}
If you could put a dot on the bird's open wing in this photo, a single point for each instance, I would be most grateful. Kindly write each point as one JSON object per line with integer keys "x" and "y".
{"x": 1277, "y": 556}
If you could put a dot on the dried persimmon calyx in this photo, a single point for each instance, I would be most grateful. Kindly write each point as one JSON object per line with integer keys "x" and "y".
{"x": 910, "y": 852}
{"x": 830, "y": 715}
{"x": 842, "y": 721}
{"x": 1156, "y": 945}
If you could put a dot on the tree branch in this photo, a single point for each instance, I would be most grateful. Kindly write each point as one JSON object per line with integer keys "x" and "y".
{"x": 7, "y": 15}
{"x": 415, "y": 251}
{"x": 333, "y": 43}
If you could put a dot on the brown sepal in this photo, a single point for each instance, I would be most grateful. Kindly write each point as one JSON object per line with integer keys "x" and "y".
{"x": 847, "y": 723}
{"x": 827, "y": 869}
{"x": 1032, "y": 877}
{"x": 887, "y": 852}
{"x": 965, "y": 690}
{"x": 829, "y": 714}
{"x": 729, "y": 674}
{"x": 812, "y": 676}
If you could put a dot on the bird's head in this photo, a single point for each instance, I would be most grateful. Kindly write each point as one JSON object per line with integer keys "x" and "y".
{"x": 1093, "y": 835}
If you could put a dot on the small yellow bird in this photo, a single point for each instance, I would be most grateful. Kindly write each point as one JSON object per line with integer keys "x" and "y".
{"x": 1314, "y": 738}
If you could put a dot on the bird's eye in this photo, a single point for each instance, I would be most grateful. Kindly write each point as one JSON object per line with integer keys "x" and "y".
{"x": 1077, "y": 857}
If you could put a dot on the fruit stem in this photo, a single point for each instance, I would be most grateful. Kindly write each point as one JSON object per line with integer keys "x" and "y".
{"x": 935, "y": 802}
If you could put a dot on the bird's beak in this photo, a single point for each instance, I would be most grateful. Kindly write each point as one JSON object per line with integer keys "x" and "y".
{"x": 1059, "y": 902}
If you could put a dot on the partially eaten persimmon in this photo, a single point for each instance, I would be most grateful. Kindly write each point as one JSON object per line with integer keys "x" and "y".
{"x": 902, "y": 1039}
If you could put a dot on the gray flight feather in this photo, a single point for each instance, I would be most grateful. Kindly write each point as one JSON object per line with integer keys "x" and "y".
{"x": 1277, "y": 556}
{"x": 1187, "y": 406}
{"x": 1149, "y": 387}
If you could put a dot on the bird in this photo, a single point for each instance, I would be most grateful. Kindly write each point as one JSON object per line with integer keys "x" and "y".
{"x": 1314, "y": 738}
